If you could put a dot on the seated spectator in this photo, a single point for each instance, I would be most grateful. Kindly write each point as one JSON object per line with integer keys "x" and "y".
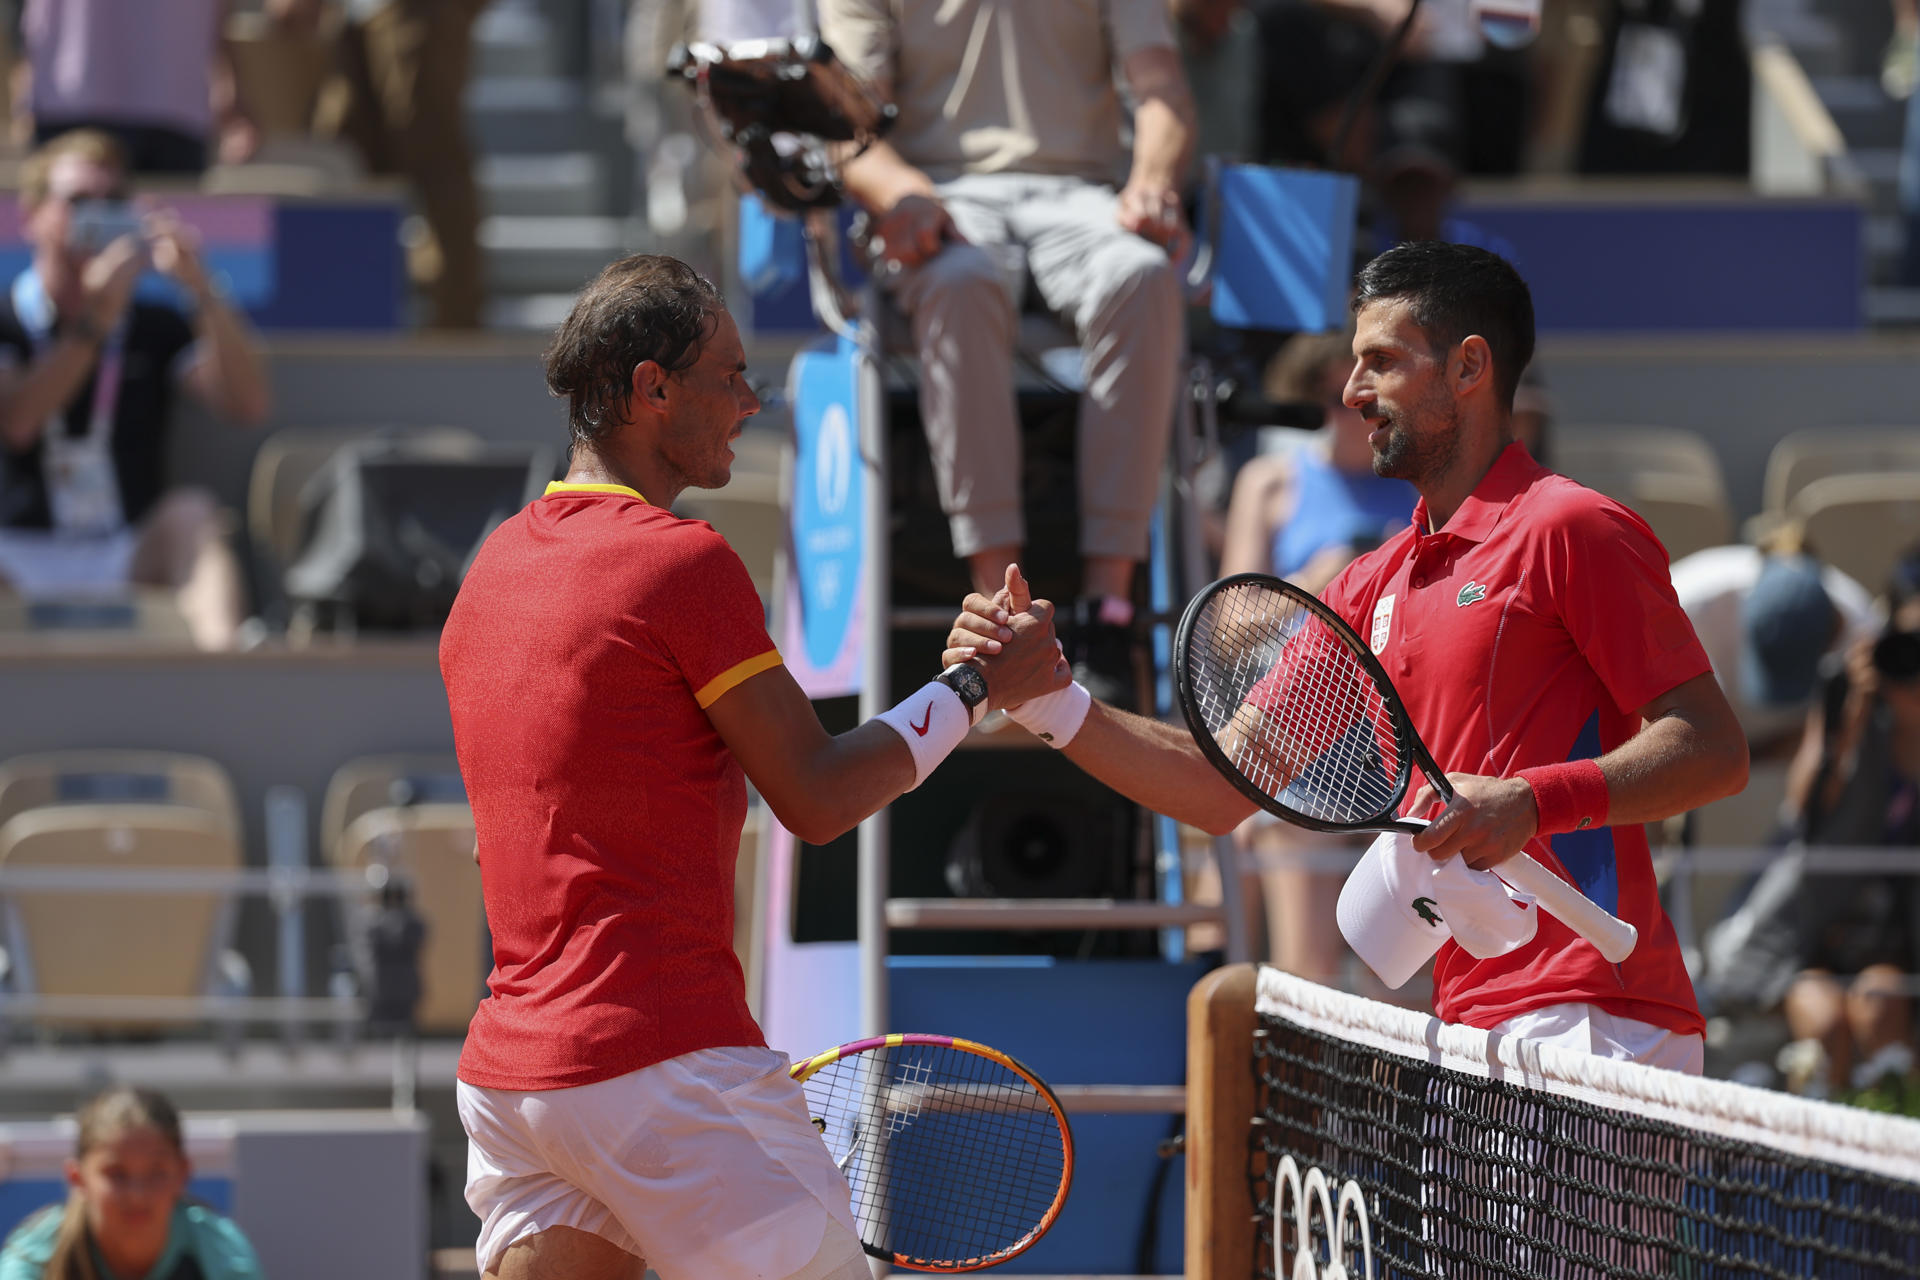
{"x": 1005, "y": 163}
{"x": 127, "y": 1213}
{"x": 156, "y": 77}
{"x": 87, "y": 374}
{"x": 1766, "y": 617}
{"x": 1856, "y": 781}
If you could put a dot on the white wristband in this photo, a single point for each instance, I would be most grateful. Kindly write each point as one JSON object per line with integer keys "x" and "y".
{"x": 1055, "y": 717}
{"x": 932, "y": 721}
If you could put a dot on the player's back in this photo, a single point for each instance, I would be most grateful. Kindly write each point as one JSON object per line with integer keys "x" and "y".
{"x": 607, "y": 808}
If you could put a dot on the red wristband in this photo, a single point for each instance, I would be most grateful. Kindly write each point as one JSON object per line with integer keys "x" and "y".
{"x": 1570, "y": 797}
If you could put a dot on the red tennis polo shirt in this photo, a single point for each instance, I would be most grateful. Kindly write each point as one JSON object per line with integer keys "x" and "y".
{"x": 1529, "y": 631}
{"x": 587, "y": 641}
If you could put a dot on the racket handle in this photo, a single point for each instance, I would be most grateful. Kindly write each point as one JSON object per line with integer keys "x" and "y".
{"x": 1614, "y": 938}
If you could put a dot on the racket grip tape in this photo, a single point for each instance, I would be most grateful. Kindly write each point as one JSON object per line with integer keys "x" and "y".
{"x": 1613, "y": 937}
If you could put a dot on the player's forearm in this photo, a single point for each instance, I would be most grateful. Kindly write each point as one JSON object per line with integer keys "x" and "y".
{"x": 1674, "y": 764}
{"x": 1157, "y": 765}
{"x": 880, "y": 178}
{"x": 841, "y": 782}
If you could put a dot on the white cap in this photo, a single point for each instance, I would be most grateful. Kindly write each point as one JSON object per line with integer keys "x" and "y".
{"x": 1399, "y": 906}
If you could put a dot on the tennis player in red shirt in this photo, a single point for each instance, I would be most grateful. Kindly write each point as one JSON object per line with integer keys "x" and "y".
{"x": 613, "y": 689}
{"x": 1531, "y": 629}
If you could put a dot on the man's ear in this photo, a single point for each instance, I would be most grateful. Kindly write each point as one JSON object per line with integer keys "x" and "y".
{"x": 648, "y": 384}
{"x": 1474, "y": 367}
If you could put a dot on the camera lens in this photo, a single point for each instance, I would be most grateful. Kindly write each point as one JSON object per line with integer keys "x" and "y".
{"x": 1896, "y": 655}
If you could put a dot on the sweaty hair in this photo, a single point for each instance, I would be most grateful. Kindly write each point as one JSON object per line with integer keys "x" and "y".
{"x": 645, "y": 307}
{"x": 1453, "y": 291}
{"x": 89, "y": 144}
{"x": 107, "y": 1116}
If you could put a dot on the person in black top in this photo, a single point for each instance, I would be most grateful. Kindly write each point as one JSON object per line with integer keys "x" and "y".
{"x": 87, "y": 376}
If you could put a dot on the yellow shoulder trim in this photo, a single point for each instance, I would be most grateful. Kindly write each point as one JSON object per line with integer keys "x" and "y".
{"x": 561, "y": 486}
{"x": 740, "y": 671}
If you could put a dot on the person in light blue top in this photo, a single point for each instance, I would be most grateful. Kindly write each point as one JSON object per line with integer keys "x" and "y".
{"x": 126, "y": 1215}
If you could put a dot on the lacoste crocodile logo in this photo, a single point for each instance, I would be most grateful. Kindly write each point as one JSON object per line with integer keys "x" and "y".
{"x": 1472, "y": 593}
{"x": 1423, "y": 907}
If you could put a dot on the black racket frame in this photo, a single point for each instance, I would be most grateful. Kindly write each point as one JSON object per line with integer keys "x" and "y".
{"x": 1406, "y": 737}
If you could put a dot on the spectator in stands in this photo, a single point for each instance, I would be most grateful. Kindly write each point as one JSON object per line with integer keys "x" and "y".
{"x": 87, "y": 374}
{"x": 1008, "y": 163}
{"x": 1766, "y": 616}
{"x": 1856, "y": 781}
{"x": 398, "y": 98}
{"x": 127, "y": 1212}
{"x": 156, "y": 77}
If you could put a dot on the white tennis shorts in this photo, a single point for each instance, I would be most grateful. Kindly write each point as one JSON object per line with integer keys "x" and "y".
{"x": 1591, "y": 1029}
{"x": 706, "y": 1165}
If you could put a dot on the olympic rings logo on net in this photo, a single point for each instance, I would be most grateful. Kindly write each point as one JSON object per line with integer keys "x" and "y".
{"x": 1308, "y": 1192}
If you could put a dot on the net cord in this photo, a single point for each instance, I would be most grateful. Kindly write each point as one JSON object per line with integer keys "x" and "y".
{"x": 1885, "y": 1144}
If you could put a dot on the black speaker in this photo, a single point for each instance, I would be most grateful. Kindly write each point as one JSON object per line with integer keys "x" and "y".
{"x": 1042, "y": 844}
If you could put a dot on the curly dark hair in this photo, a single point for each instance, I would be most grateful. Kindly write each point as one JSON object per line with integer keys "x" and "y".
{"x": 645, "y": 307}
{"x": 1455, "y": 290}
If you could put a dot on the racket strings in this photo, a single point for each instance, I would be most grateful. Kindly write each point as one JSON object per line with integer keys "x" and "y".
{"x": 951, "y": 1156}
{"x": 1292, "y": 707}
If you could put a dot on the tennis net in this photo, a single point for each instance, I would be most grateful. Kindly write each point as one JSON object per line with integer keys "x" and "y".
{"x": 1396, "y": 1145}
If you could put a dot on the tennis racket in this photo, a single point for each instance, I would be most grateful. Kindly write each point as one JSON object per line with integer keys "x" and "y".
{"x": 958, "y": 1156}
{"x": 1289, "y": 705}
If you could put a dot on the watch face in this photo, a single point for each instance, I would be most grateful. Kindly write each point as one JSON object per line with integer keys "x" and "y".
{"x": 967, "y": 681}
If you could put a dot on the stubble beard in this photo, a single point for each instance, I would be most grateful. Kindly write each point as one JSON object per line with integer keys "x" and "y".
{"x": 1425, "y": 455}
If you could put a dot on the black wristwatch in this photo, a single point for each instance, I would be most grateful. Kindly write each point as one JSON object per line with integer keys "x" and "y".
{"x": 966, "y": 680}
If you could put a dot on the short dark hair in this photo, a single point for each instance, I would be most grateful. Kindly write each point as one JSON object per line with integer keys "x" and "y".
{"x": 1455, "y": 290}
{"x": 644, "y": 307}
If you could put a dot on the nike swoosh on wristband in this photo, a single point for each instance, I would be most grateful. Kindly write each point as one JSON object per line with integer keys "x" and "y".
{"x": 920, "y": 730}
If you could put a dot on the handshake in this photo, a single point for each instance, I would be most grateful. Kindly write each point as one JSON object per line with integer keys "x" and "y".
{"x": 1009, "y": 638}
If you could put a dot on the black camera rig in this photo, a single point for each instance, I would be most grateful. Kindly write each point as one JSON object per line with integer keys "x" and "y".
{"x": 784, "y": 104}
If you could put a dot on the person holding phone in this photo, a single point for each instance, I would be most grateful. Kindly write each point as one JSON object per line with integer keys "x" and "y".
{"x": 1856, "y": 782}
{"x": 88, "y": 371}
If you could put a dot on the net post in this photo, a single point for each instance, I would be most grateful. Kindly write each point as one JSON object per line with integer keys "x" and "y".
{"x": 1220, "y": 1099}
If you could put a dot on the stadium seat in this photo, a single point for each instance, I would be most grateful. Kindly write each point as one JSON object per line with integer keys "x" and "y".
{"x": 1660, "y": 450}
{"x": 430, "y": 847}
{"x": 118, "y": 777}
{"x": 382, "y": 782}
{"x": 104, "y": 944}
{"x": 1802, "y": 457}
{"x": 1862, "y": 524}
{"x": 1668, "y": 475}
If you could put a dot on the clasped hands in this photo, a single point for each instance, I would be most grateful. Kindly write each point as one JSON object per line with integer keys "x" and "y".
{"x": 1009, "y": 636}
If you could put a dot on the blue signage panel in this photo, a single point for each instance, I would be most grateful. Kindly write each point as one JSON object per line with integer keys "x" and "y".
{"x": 827, "y": 512}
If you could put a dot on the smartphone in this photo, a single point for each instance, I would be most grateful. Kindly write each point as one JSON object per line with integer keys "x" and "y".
{"x": 94, "y": 224}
